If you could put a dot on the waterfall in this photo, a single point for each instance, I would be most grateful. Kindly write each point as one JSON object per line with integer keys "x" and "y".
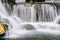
{"x": 52, "y": 0}
{"x": 2, "y": 8}
{"x": 46, "y": 12}
{"x": 36, "y": 13}
{"x": 5, "y": 18}
{"x": 35, "y": 18}
{"x": 23, "y": 12}
{"x": 18, "y": 1}
{"x": 27, "y": 20}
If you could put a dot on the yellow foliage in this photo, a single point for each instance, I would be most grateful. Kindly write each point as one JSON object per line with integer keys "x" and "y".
{"x": 2, "y": 29}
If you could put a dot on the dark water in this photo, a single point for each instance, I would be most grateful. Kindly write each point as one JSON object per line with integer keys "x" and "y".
{"x": 37, "y": 37}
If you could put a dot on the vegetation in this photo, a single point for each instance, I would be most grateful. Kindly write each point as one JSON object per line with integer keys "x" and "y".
{"x": 3, "y": 29}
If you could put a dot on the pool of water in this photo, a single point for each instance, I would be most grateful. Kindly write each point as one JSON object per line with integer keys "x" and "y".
{"x": 37, "y": 37}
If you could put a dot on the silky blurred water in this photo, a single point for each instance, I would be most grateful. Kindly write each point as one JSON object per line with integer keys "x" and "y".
{"x": 26, "y": 22}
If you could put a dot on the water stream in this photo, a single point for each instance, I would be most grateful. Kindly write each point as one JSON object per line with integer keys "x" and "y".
{"x": 27, "y": 21}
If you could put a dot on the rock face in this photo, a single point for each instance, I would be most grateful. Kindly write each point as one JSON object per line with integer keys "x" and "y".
{"x": 29, "y": 27}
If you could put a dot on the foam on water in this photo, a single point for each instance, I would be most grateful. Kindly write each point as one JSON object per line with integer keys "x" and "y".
{"x": 25, "y": 24}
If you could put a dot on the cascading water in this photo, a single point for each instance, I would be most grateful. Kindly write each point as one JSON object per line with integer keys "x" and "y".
{"x": 52, "y": 0}
{"x": 30, "y": 20}
{"x": 36, "y": 13}
{"x": 46, "y": 12}
{"x": 25, "y": 14}
{"x": 6, "y": 19}
{"x": 32, "y": 27}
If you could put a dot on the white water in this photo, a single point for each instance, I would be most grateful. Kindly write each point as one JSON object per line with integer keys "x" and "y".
{"x": 46, "y": 12}
{"x": 24, "y": 21}
{"x": 52, "y": 0}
